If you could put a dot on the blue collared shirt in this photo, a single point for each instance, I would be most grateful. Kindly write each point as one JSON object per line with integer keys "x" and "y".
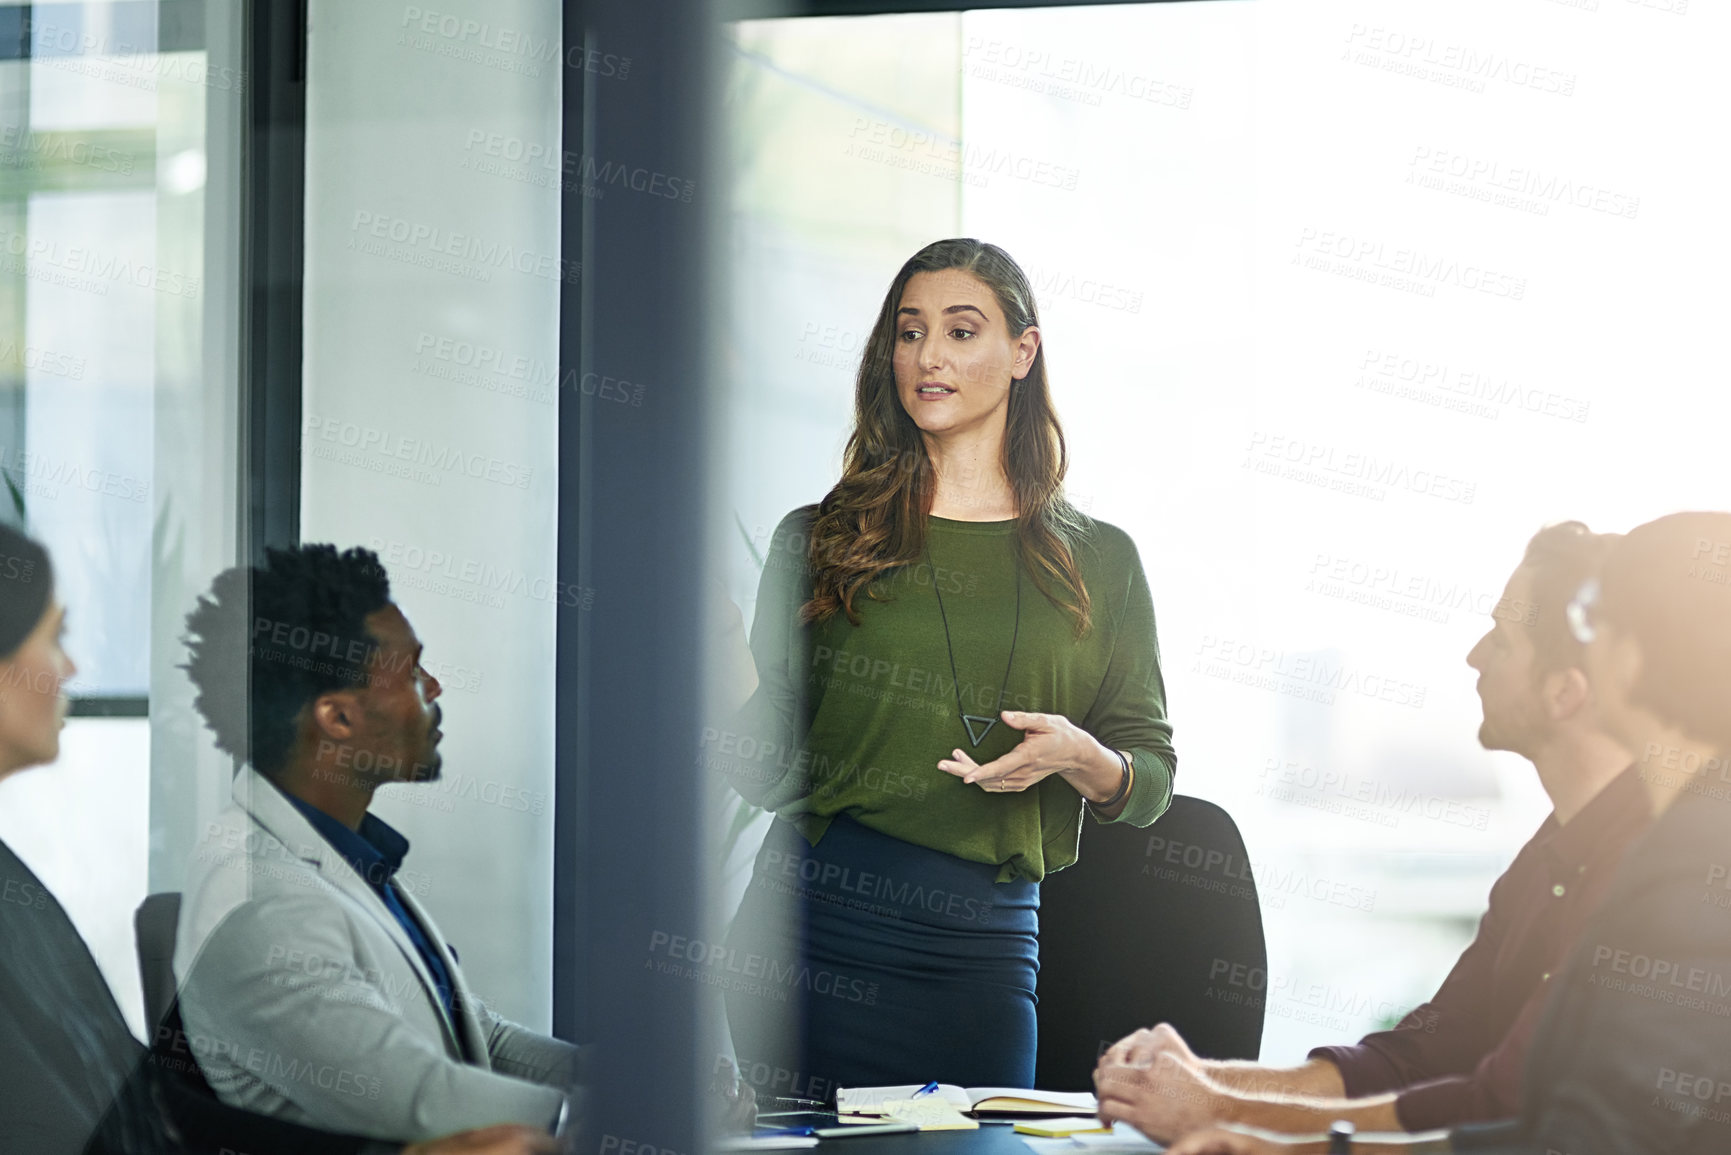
{"x": 377, "y": 853}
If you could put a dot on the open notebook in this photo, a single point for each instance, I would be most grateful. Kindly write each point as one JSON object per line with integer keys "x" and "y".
{"x": 992, "y": 1100}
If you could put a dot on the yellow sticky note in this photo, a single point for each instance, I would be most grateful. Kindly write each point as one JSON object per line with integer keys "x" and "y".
{"x": 928, "y": 1113}
{"x": 1062, "y": 1128}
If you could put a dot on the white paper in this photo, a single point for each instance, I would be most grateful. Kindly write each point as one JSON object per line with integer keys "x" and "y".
{"x": 870, "y": 1100}
{"x": 1043, "y": 1146}
{"x": 765, "y": 1142}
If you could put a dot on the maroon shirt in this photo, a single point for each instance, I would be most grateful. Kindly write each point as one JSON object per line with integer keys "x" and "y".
{"x": 1459, "y": 1057}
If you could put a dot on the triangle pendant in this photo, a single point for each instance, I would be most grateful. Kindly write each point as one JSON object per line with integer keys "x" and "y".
{"x": 978, "y": 727}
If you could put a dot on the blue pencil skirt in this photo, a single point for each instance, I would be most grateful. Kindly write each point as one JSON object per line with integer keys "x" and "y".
{"x": 866, "y": 960}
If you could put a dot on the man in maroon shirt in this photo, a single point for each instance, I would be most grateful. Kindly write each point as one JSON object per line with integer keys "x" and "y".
{"x": 1459, "y": 1057}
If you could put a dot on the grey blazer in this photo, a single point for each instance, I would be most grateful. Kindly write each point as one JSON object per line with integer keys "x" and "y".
{"x": 303, "y": 998}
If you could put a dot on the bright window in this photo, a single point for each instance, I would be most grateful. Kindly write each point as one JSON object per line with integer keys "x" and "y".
{"x": 1341, "y": 304}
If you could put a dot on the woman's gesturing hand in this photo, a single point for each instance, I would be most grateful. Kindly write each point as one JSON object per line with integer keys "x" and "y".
{"x": 1051, "y": 744}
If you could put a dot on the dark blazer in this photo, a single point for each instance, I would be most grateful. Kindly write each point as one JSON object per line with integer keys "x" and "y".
{"x": 1634, "y": 1051}
{"x": 1633, "y": 1054}
{"x": 74, "y": 1081}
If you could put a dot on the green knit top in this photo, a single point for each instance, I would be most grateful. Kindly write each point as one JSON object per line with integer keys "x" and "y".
{"x": 854, "y": 719}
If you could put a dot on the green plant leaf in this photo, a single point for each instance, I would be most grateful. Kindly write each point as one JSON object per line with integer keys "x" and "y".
{"x": 745, "y": 535}
{"x": 18, "y": 499}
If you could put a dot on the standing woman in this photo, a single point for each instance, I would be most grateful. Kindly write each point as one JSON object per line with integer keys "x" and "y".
{"x": 953, "y": 664}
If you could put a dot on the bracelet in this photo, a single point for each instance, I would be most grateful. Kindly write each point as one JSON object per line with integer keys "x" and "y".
{"x": 1123, "y": 784}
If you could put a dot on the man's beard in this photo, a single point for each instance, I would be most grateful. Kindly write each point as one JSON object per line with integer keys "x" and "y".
{"x": 428, "y": 768}
{"x": 1517, "y": 733}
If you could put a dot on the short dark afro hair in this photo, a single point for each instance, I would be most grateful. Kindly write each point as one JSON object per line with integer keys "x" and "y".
{"x": 266, "y": 640}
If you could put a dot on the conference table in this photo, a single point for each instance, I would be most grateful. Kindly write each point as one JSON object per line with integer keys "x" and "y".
{"x": 992, "y": 1138}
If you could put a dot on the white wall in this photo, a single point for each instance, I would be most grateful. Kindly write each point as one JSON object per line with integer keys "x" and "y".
{"x": 421, "y": 248}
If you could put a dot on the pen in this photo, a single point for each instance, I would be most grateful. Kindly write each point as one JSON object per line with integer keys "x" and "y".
{"x": 926, "y": 1090}
{"x": 784, "y": 1131}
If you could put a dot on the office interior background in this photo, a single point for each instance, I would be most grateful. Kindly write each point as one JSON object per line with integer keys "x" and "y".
{"x": 558, "y": 308}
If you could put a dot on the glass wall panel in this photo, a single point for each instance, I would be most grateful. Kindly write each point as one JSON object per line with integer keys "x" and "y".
{"x": 103, "y": 375}
{"x": 1332, "y": 335}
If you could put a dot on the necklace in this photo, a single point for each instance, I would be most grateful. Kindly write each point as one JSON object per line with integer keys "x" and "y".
{"x": 977, "y": 725}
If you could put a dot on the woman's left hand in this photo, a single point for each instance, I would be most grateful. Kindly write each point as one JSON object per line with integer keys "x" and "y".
{"x": 1051, "y": 744}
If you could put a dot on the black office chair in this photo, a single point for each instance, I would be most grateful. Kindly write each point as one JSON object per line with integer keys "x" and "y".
{"x": 155, "y": 925}
{"x": 1149, "y": 926}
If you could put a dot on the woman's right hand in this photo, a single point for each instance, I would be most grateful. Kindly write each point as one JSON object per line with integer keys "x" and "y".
{"x": 505, "y": 1139}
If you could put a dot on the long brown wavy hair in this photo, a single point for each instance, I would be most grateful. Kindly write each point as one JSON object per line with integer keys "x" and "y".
{"x": 874, "y": 520}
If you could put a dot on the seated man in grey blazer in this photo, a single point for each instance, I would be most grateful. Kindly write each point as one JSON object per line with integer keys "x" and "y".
{"x": 313, "y": 985}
